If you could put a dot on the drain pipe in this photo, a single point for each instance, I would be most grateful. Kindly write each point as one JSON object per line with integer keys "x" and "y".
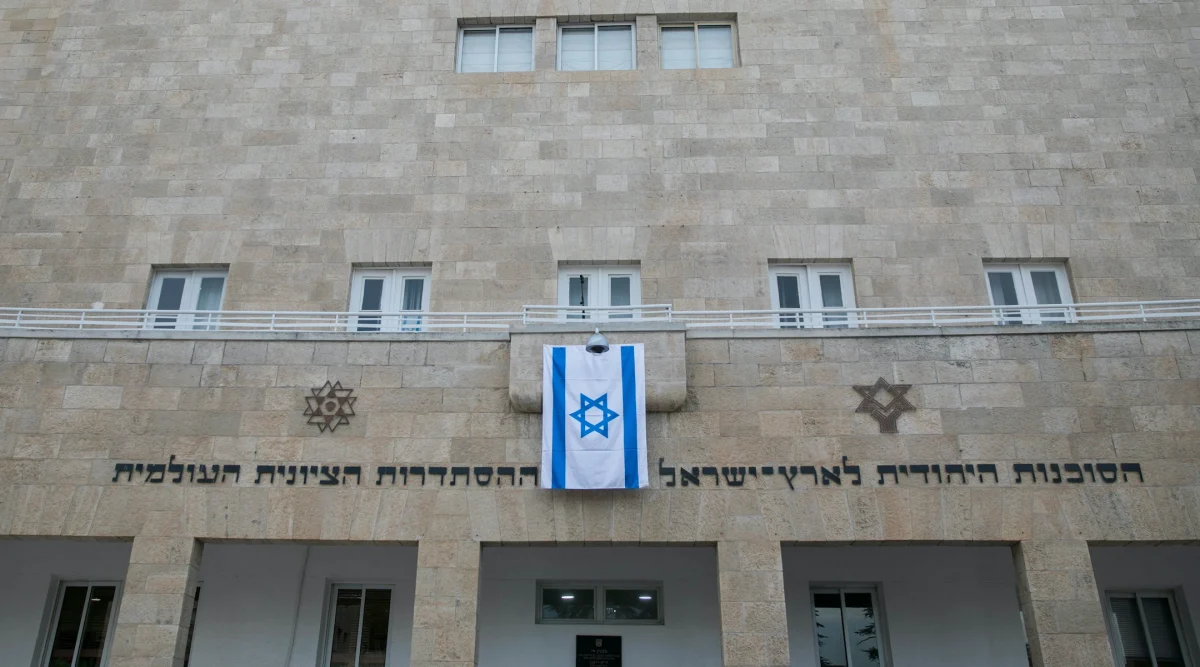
{"x": 296, "y": 612}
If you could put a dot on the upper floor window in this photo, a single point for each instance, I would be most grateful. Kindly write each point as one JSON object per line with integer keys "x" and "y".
{"x": 358, "y": 627}
{"x": 599, "y": 292}
{"x": 1145, "y": 630}
{"x": 186, "y": 290}
{"x": 590, "y": 602}
{"x": 812, "y": 287}
{"x": 495, "y": 49}
{"x": 698, "y": 45}
{"x": 1028, "y": 285}
{"x": 847, "y": 626}
{"x": 599, "y": 46}
{"x": 402, "y": 291}
{"x": 84, "y": 615}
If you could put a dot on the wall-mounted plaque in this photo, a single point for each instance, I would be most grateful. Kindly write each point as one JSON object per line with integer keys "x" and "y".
{"x": 597, "y": 651}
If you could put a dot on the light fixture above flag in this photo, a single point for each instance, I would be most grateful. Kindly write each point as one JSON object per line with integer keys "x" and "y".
{"x": 594, "y": 416}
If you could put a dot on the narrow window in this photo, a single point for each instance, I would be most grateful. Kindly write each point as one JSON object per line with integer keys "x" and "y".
{"x": 83, "y": 619}
{"x": 599, "y": 292}
{"x": 599, "y": 46}
{"x": 698, "y": 45}
{"x": 811, "y": 295}
{"x": 389, "y": 299}
{"x": 847, "y": 625}
{"x": 192, "y": 292}
{"x": 1032, "y": 286}
{"x": 600, "y": 603}
{"x": 1145, "y": 630}
{"x": 495, "y": 49}
{"x": 358, "y": 632}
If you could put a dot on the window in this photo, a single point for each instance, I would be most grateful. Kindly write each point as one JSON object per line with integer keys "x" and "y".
{"x": 1028, "y": 285}
{"x": 847, "y": 627}
{"x": 697, "y": 45}
{"x": 496, "y": 49}
{"x": 84, "y": 615}
{"x": 1145, "y": 630}
{"x": 591, "y": 291}
{"x": 589, "y": 602}
{"x": 403, "y": 291}
{"x": 187, "y": 291}
{"x": 814, "y": 287}
{"x": 358, "y": 629}
{"x": 600, "y": 46}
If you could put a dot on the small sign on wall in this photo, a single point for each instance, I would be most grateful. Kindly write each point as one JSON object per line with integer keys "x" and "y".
{"x": 597, "y": 651}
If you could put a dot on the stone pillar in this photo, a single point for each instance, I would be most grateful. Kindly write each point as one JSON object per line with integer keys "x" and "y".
{"x": 753, "y": 614}
{"x": 1064, "y": 617}
{"x": 444, "y": 611}
{"x": 545, "y": 44}
{"x": 156, "y": 602}
{"x": 648, "y": 54}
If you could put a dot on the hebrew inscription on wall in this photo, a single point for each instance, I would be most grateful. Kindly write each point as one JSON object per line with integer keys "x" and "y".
{"x": 695, "y": 476}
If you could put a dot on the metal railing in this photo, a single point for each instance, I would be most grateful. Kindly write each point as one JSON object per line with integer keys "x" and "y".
{"x": 57, "y": 319}
{"x": 251, "y": 321}
{"x": 944, "y": 316}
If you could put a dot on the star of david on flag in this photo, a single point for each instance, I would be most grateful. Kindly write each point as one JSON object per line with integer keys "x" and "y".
{"x": 594, "y": 418}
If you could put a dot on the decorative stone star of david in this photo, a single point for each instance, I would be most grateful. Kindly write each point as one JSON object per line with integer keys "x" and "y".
{"x": 330, "y": 406}
{"x": 587, "y": 403}
{"x": 886, "y": 415}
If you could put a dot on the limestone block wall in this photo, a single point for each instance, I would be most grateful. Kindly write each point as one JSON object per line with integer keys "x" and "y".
{"x": 71, "y": 408}
{"x": 290, "y": 141}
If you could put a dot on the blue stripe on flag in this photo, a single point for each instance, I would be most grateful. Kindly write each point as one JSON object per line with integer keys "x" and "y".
{"x": 558, "y": 453}
{"x": 630, "y": 402}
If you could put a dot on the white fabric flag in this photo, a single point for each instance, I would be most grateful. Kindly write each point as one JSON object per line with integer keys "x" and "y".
{"x": 594, "y": 418}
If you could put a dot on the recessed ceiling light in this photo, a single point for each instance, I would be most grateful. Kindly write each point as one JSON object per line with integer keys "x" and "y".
{"x": 568, "y": 597}
{"x": 645, "y": 597}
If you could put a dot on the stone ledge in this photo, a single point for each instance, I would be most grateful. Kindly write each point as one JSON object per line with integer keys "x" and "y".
{"x": 666, "y": 361}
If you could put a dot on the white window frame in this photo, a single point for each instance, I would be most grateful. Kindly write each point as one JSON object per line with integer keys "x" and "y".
{"x": 331, "y": 611}
{"x": 600, "y": 591}
{"x": 876, "y": 604}
{"x": 191, "y": 293}
{"x": 599, "y": 291}
{"x": 808, "y": 279}
{"x": 1023, "y": 281}
{"x": 1114, "y": 634}
{"x": 596, "y": 44}
{"x": 495, "y": 29}
{"x": 60, "y": 593}
{"x": 695, "y": 26}
{"x": 391, "y": 317}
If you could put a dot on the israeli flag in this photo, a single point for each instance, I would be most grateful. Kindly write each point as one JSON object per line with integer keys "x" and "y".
{"x": 594, "y": 418}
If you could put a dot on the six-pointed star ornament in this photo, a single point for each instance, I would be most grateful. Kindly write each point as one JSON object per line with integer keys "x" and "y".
{"x": 587, "y": 403}
{"x": 330, "y": 406}
{"x": 887, "y": 415}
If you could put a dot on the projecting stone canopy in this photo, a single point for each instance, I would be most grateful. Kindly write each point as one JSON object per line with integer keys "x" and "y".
{"x": 666, "y": 362}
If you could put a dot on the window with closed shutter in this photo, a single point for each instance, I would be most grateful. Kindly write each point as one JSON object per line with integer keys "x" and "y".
{"x": 1145, "y": 630}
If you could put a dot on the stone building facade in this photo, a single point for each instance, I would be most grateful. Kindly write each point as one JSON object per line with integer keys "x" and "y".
{"x": 1039, "y": 503}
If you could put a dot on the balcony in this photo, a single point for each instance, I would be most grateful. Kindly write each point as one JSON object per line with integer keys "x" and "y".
{"x": 359, "y": 324}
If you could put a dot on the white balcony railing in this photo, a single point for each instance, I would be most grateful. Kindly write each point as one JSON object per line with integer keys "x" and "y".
{"x": 57, "y": 319}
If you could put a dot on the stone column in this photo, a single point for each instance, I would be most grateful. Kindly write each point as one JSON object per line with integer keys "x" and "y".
{"x": 1064, "y": 617}
{"x": 545, "y": 43}
{"x": 648, "y": 54}
{"x": 156, "y": 602}
{"x": 753, "y": 614}
{"x": 444, "y": 611}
